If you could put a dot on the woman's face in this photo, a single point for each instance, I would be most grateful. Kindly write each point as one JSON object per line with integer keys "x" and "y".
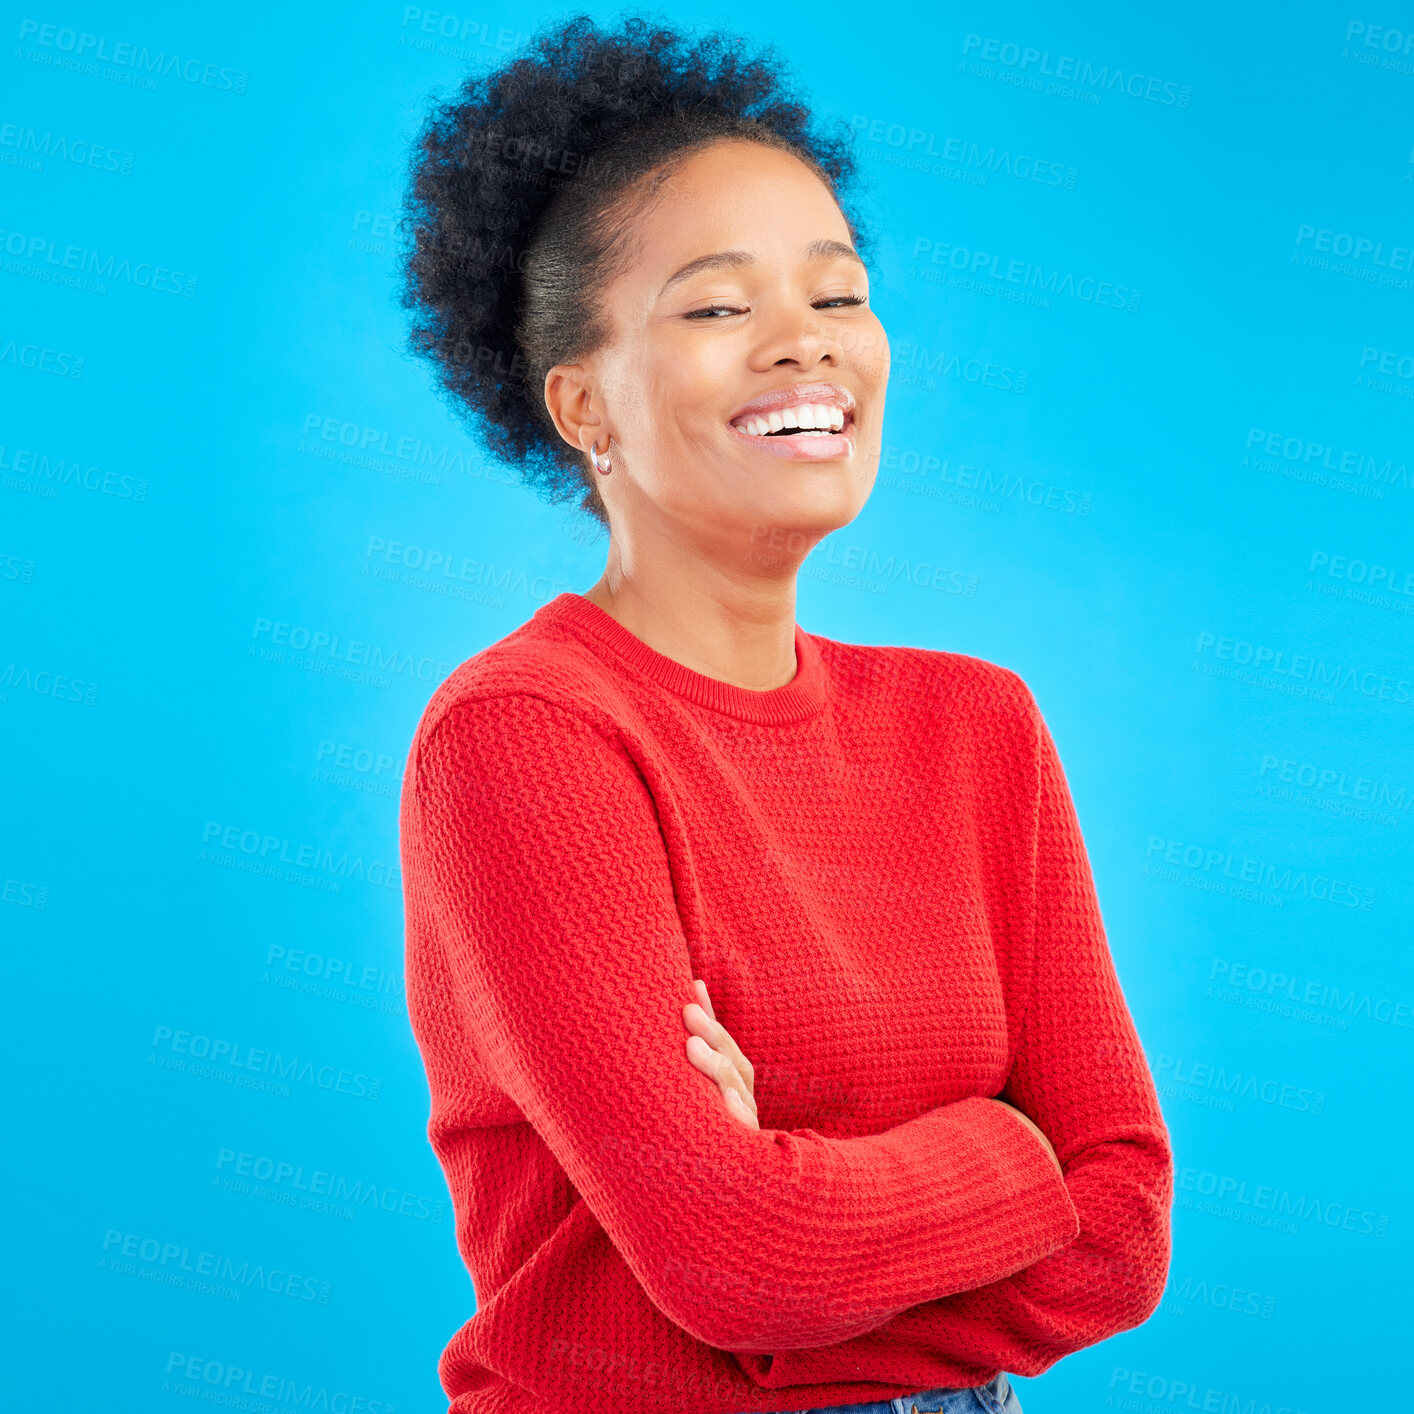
{"x": 743, "y": 312}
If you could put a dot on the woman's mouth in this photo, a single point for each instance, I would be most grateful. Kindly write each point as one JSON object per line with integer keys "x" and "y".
{"x": 788, "y": 424}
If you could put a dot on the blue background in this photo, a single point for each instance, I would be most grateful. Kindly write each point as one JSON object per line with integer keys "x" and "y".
{"x": 1164, "y": 480}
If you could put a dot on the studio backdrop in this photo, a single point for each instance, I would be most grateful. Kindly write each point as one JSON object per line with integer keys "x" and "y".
{"x": 1148, "y": 278}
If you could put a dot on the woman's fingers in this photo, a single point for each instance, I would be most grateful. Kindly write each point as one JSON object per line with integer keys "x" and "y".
{"x": 712, "y": 1050}
{"x": 738, "y": 1106}
{"x": 700, "y": 987}
{"x": 717, "y": 1036}
{"x": 718, "y": 1039}
{"x": 720, "y": 1067}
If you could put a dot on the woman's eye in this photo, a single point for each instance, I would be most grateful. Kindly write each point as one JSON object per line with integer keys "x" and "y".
{"x": 819, "y": 304}
{"x": 712, "y": 309}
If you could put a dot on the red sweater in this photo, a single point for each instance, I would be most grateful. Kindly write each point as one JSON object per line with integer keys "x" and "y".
{"x": 878, "y": 872}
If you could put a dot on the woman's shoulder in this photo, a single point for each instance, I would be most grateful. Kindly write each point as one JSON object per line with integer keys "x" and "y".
{"x": 931, "y": 677}
{"x": 539, "y": 669}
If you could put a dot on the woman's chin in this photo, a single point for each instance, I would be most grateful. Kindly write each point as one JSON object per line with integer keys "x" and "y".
{"x": 779, "y": 534}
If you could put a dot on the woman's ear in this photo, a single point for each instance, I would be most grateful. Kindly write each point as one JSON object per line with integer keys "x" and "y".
{"x": 574, "y": 407}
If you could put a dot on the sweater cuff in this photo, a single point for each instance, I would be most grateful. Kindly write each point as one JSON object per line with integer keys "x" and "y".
{"x": 1032, "y": 1217}
{"x": 1029, "y": 1177}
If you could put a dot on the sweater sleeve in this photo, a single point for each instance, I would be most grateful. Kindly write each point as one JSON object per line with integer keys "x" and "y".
{"x": 544, "y": 864}
{"x": 1079, "y": 1072}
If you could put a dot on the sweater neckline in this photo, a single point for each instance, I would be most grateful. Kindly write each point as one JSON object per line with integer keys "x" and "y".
{"x": 803, "y": 696}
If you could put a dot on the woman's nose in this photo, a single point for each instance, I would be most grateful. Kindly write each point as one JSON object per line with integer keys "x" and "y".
{"x": 803, "y": 339}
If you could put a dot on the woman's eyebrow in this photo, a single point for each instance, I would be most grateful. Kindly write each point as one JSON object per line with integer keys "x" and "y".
{"x": 732, "y": 259}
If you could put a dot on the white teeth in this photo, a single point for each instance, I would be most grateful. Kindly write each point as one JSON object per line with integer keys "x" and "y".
{"x": 804, "y": 417}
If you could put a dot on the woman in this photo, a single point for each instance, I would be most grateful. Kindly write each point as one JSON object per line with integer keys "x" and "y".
{"x": 659, "y": 828}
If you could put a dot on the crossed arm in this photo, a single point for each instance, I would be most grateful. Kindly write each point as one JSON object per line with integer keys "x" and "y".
{"x": 1081, "y": 1071}
{"x": 962, "y": 1227}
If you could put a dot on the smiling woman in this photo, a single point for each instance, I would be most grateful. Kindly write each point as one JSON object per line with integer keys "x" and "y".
{"x": 753, "y": 1091}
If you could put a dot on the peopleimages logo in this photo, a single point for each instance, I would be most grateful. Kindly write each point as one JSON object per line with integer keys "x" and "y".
{"x": 1206, "y": 1075}
{"x": 170, "y": 1260}
{"x": 1279, "y": 1204}
{"x": 1241, "y": 870}
{"x": 1308, "y": 455}
{"x": 277, "y": 849}
{"x": 1185, "y": 1394}
{"x": 322, "y": 1190}
{"x": 321, "y": 644}
{"x": 1035, "y": 64}
{"x": 43, "y": 683}
{"x": 1306, "y": 668}
{"x": 220, "y": 1382}
{"x": 1392, "y": 579}
{"x": 918, "y": 143}
{"x": 82, "y": 49}
{"x": 1277, "y": 989}
{"x": 41, "y": 360}
{"x": 44, "y": 256}
{"x": 222, "y": 1058}
{"x": 1379, "y": 47}
{"x": 24, "y": 146}
{"x": 1350, "y": 246}
{"x": 936, "y": 258}
{"x": 69, "y": 471}
{"x": 1391, "y": 795}
{"x": 336, "y": 439}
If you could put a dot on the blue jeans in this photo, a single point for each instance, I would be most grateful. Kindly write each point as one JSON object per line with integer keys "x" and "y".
{"x": 997, "y": 1397}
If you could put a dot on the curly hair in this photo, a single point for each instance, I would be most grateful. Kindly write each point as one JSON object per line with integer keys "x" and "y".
{"x": 523, "y": 189}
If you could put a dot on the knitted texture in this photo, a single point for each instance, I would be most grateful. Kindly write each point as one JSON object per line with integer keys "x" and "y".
{"x": 878, "y": 871}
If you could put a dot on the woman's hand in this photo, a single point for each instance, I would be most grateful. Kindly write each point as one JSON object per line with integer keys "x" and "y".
{"x": 1034, "y": 1128}
{"x": 711, "y": 1049}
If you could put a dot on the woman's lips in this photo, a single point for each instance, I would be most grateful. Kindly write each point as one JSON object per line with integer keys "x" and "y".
{"x": 804, "y": 446}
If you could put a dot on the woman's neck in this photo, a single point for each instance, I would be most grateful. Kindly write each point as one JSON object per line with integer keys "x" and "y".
{"x": 744, "y": 637}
